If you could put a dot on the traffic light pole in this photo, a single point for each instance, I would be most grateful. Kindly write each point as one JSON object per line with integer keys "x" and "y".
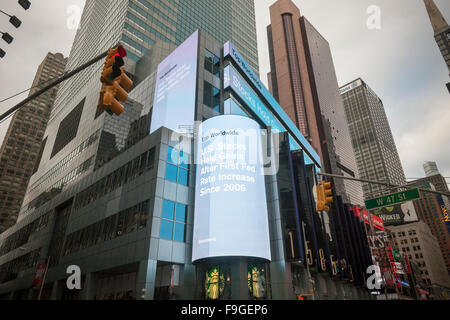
{"x": 53, "y": 84}
{"x": 391, "y": 186}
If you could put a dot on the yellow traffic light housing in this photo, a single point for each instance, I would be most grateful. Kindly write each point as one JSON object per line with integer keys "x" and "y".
{"x": 115, "y": 83}
{"x": 324, "y": 196}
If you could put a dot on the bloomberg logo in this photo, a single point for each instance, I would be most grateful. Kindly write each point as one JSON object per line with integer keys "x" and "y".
{"x": 230, "y": 50}
{"x": 351, "y": 86}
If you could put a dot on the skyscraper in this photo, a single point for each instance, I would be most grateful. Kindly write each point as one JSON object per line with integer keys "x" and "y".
{"x": 429, "y": 210}
{"x": 20, "y": 148}
{"x": 303, "y": 80}
{"x": 373, "y": 142}
{"x": 141, "y": 26}
{"x": 430, "y": 168}
{"x": 441, "y": 30}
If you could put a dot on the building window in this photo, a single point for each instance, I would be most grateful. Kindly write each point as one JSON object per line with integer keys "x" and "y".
{"x": 216, "y": 282}
{"x": 173, "y": 222}
{"x": 257, "y": 281}
{"x": 212, "y": 63}
{"x": 68, "y": 128}
{"x": 211, "y": 96}
{"x": 177, "y": 169}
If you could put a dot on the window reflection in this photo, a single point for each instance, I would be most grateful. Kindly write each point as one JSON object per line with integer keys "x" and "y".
{"x": 257, "y": 281}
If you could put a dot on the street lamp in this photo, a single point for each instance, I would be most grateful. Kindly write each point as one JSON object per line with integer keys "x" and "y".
{"x": 25, "y": 4}
{"x": 7, "y": 37}
{"x": 13, "y": 19}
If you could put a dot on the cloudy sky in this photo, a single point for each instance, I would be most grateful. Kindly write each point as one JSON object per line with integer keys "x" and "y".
{"x": 400, "y": 62}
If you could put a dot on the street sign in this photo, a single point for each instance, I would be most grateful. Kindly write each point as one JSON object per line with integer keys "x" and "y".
{"x": 392, "y": 199}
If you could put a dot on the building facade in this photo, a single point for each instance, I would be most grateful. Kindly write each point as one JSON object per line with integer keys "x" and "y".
{"x": 22, "y": 144}
{"x": 303, "y": 80}
{"x": 422, "y": 248}
{"x": 430, "y": 168}
{"x": 375, "y": 150}
{"x": 441, "y": 30}
{"x": 142, "y": 27}
{"x": 132, "y": 224}
{"x": 431, "y": 210}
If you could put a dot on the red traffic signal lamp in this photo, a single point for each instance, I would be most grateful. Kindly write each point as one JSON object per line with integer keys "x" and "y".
{"x": 324, "y": 196}
{"x": 115, "y": 83}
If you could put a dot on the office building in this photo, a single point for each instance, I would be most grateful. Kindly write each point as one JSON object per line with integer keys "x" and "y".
{"x": 431, "y": 209}
{"x": 441, "y": 30}
{"x": 22, "y": 144}
{"x": 375, "y": 150}
{"x": 439, "y": 182}
{"x": 430, "y": 168}
{"x": 303, "y": 80}
{"x": 417, "y": 241}
{"x": 155, "y": 220}
{"x": 145, "y": 28}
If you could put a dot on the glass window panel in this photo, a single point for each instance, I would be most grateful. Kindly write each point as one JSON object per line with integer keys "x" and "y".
{"x": 168, "y": 210}
{"x": 183, "y": 177}
{"x": 172, "y": 156}
{"x": 180, "y": 215}
{"x": 166, "y": 231}
{"x": 179, "y": 232}
{"x": 171, "y": 173}
{"x": 184, "y": 160}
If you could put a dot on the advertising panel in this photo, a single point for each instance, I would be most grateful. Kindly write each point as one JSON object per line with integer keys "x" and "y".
{"x": 230, "y": 51}
{"x": 397, "y": 214}
{"x": 175, "y": 92}
{"x": 444, "y": 212}
{"x": 231, "y": 217}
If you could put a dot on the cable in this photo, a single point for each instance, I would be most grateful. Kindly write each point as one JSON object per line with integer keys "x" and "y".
{"x": 41, "y": 83}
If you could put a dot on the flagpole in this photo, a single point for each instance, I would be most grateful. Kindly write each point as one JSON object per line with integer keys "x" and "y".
{"x": 43, "y": 280}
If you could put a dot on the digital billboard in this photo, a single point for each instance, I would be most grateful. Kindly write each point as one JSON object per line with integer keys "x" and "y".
{"x": 231, "y": 216}
{"x": 175, "y": 91}
{"x": 397, "y": 214}
{"x": 230, "y": 51}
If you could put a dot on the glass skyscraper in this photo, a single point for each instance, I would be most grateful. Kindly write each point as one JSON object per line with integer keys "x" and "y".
{"x": 372, "y": 139}
{"x": 140, "y": 25}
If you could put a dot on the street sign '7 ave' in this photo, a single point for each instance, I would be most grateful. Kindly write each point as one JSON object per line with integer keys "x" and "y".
{"x": 392, "y": 199}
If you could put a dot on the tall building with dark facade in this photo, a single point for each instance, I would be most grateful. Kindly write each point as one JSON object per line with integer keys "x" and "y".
{"x": 441, "y": 30}
{"x": 152, "y": 223}
{"x": 303, "y": 80}
{"x": 22, "y": 144}
{"x": 375, "y": 150}
{"x": 142, "y": 27}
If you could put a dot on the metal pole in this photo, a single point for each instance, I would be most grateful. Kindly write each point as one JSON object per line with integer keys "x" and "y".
{"x": 43, "y": 280}
{"x": 391, "y": 186}
{"x": 5, "y": 13}
{"x": 307, "y": 266}
{"x": 63, "y": 78}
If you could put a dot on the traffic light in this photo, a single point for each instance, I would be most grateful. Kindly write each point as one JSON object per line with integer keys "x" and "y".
{"x": 324, "y": 196}
{"x": 25, "y": 4}
{"x": 115, "y": 83}
{"x": 2, "y": 53}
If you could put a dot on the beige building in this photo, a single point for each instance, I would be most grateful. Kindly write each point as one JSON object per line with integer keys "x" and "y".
{"x": 417, "y": 241}
{"x": 21, "y": 148}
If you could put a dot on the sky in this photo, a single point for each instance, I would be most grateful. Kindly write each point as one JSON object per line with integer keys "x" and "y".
{"x": 400, "y": 61}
